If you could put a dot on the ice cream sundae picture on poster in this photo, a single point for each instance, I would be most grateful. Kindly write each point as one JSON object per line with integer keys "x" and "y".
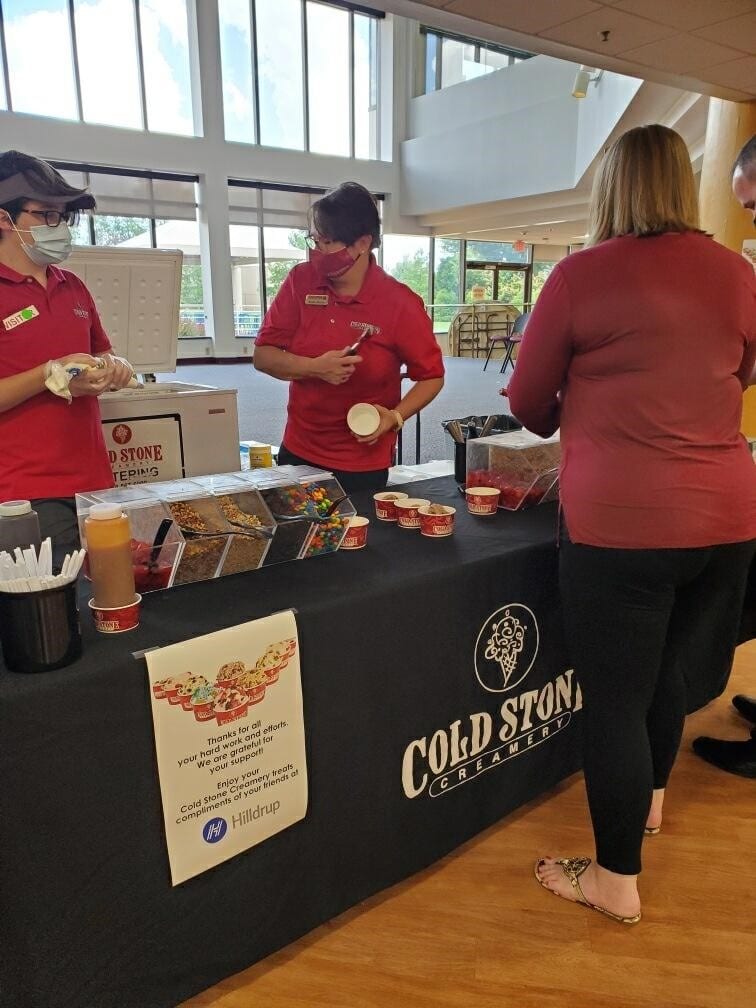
{"x": 229, "y": 738}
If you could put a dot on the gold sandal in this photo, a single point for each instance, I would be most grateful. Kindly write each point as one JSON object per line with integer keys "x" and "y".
{"x": 651, "y": 830}
{"x": 573, "y": 868}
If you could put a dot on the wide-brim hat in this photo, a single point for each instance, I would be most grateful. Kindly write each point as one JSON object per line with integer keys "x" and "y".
{"x": 18, "y": 186}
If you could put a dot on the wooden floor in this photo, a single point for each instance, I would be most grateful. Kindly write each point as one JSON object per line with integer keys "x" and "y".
{"x": 475, "y": 930}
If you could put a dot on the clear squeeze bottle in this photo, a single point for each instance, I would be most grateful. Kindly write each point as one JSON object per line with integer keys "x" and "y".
{"x": 19, "y": 526}
{"x": 108, "y": 534}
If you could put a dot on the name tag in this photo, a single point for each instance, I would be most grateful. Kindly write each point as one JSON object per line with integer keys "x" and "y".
{"x": 316, "y": 299}
{"x": 25, "y": 315}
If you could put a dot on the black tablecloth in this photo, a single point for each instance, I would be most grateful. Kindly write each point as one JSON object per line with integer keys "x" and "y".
{"x": 388, "y": 635}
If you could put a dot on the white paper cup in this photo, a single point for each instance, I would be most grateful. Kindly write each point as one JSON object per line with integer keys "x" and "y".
{"x": 437, "y": 526}
{"x": 356, "y": 533}
{"x": 385, "y": 504}
{"x": 482, "y": 501}
{"x": 408, "y": 511}
{"x": 363, "y": 419}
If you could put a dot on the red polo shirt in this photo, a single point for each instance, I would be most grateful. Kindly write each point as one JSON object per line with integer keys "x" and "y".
{"x": 308, "y": 318}
{"x": 49, "y": 448}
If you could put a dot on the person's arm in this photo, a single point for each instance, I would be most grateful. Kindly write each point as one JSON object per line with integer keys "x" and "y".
{"x": 117, "y": 372}
{"x": 421, "y": 393}
{"x": 272, "y": 355}
{"x": 422, "y": 356}
{"x": 332, "y": 367}
{"x": 543, "y": 360}
{"x": 747, "y": 369}
{"x": 20, "y": 387}
{"x": 16, "y": 389}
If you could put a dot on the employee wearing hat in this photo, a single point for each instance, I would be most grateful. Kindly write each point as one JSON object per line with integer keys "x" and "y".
{"x": 340, "y": 298}
{"x": 51, "y": 448}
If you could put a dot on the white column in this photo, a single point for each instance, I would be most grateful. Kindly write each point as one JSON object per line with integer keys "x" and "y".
{"x": 215, "y": 248}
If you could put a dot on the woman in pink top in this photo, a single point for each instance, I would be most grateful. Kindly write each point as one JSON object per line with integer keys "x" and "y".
{"x": 639, "y": 349}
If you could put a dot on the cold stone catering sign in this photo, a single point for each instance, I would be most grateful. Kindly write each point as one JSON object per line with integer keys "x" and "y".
{"x": 505, "y": 652}
{"x": 144, "y": 449}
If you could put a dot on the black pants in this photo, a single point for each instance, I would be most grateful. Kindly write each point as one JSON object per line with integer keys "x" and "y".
{"x": 352, "y": 482}
{"x": 651, "y": 634}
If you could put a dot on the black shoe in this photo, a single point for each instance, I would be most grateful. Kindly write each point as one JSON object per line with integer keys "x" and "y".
{"x": 734, "y": 757}
{"x": 745, "y": 706}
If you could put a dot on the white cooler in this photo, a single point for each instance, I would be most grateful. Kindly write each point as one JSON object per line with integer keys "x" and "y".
{"x": 166, "y": 430}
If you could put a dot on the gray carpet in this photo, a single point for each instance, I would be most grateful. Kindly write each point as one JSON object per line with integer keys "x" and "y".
{"x": 262, "y": 401}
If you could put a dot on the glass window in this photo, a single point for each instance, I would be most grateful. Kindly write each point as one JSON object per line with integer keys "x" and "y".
{"x": 479, "y": 285}
{"x": 462, "y": 59}
{"x": 284, "y": 248}
{"x": 245, "y": 279}
{"x": 511, "y": 288}
{"x": 80, "y": 231}
{"x": 432, "y": 55}
{"x": 280, "y": 73}
{"x": 328, "y": 73}
{"x": 458, "y": 62}
{"x": 3, "y": 96}
{"x": 108, "y": 72}
{"x": 31, "y": 90}
{"x": 133, "y": 232}
{"x": 479, "y": 251}
{"x": 365, "y": 86}
{"x": 446, "y": 260}
{"x": 406, "y": 257}
{"x": 184, "y": 235}
{"x": 236, "y": 66}
{"x": 165, "y": 52}
{"x": 494, "y": 59}
{"x": 541, "y": 273}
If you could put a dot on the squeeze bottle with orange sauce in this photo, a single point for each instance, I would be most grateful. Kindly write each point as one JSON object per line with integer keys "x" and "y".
{"x": 108, "y": 534}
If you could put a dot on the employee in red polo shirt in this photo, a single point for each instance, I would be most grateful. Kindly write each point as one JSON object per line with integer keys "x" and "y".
{"x": 326, "y": 305}
{"x": 50, "y": 449}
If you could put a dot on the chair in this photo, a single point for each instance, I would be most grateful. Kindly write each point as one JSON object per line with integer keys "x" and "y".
{"x": 400, "y": 439}
{"x": 514, "y": 339}
{"x": 503, "y": 337}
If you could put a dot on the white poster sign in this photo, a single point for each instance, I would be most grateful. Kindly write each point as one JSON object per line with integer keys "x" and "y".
{"x": 229, "y": 736}
{"x": 144, "y": 449}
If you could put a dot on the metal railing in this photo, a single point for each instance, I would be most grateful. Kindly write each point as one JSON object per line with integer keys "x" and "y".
{"x": 192, "y": 318}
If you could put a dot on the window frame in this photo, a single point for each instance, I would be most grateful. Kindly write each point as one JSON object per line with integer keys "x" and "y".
{"x": 74, "y": 47}
{"x": 514, "y": 55}
{"x": 351, "y": 9}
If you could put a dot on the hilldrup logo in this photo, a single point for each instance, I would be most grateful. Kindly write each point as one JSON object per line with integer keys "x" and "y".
{"x": 214, "y": 830}
{"x": 506, "y": 648}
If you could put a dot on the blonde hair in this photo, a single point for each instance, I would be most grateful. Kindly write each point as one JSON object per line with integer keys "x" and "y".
{"x": 643, "y": 186}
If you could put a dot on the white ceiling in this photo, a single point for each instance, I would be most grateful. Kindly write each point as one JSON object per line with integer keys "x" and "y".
{"x": 708, "y": 46}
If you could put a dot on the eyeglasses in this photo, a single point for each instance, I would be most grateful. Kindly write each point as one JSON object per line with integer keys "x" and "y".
{"x": 54, "y": 217}
{"x": 316, "y": 242}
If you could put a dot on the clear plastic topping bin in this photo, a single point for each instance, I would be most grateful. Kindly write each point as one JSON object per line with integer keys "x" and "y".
{"x": 523, "y": 466}
{"x": 199, "y": 529}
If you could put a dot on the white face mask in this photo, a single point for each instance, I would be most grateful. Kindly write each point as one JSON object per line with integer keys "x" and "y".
{"x": 51, "y": 244}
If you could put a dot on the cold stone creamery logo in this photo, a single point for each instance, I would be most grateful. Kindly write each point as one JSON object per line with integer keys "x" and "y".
{"x": 122, "y": 433}
{"x": 505, "y": 652}
{"x": 506, "y": 648}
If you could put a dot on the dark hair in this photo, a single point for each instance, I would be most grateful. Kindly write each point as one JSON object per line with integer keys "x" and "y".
{"x": 746, "y": 160}
{"x": 43, "y": 180}
{"x": 345, "y": 214}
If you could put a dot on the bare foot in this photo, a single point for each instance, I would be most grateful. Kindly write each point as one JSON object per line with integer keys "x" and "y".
{"x": 616, "y": 893}
{"x": 654, "y": 820}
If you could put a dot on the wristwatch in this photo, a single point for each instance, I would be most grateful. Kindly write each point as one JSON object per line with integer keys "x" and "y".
{"x": 399, "y": 419}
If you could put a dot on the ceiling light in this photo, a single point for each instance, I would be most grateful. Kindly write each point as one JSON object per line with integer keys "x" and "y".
{"x": 586, "y": 75}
